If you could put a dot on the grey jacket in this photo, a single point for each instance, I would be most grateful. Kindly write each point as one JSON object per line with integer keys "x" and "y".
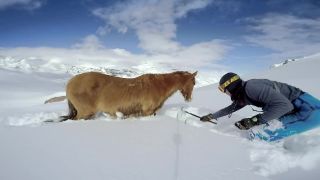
{"x": 273, "y": 97}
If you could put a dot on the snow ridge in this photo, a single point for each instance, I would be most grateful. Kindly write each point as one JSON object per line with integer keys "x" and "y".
{"x": 34, "y": 64}
{"x": 283, "y": 63}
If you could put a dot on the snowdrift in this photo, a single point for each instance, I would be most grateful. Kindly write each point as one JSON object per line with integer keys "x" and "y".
{"x": 155, "y": 147}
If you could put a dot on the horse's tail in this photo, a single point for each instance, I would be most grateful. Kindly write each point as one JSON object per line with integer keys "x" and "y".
{"x": 72, "y": 112}
{"x": 55, "y": 99}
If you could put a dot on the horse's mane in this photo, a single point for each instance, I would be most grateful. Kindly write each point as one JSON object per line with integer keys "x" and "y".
{"x": 157, "y": 84}
{"x": 168, "y": 76}
{"x": 161, "y": 80}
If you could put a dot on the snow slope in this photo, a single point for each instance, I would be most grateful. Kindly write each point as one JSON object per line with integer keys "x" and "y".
{"x": 77, "y": 66}
{"x": 283, "y": 63}
{"x": 157, "y": 147}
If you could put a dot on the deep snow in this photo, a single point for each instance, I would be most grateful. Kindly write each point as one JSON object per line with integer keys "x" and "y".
{"x": 156, "y": 147}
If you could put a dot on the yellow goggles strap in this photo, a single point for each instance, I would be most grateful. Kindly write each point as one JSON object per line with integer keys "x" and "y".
{"x": 223, "y": 86}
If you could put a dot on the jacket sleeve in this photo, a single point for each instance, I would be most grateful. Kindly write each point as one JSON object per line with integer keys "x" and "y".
{"x": 276, "y": 104}
{"x": 227, "y": 110}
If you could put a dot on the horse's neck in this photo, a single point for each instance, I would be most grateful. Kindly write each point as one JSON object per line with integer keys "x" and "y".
{"x": 165, "y": 83}
{"x": 171, "y": 84}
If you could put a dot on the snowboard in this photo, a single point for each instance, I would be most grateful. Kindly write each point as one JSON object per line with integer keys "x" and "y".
{"x": 277, "y": 130}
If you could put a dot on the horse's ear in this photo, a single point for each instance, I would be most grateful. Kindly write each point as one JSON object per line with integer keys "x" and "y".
{"x": 195, "y": 73}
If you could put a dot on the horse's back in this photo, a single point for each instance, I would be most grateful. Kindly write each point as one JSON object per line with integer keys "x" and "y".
{"x": 84, "y": 81}
{"x": 94, "y": 86}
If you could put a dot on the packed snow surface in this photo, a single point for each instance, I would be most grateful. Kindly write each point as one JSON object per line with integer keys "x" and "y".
{"x": 170, "y": 145}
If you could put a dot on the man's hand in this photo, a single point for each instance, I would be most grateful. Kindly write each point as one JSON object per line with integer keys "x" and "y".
{"x": 207, "y": 117}
{"x": 247, "y": 123}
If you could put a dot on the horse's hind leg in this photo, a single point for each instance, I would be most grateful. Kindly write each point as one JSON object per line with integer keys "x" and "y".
{"x": 85, "y": 108}
{"x": 89, "y": 116}
{"x": 85, "y": 113}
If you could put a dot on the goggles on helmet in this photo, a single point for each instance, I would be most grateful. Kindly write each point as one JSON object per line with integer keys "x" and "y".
{"x": 223, "y": 86}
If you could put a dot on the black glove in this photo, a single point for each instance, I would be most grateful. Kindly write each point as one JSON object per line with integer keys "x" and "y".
{"x": 247, "y": 123}
{"x": 207, "y": 117}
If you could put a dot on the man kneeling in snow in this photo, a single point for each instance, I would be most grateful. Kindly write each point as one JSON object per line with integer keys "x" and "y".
{"x": 277, "y": 100}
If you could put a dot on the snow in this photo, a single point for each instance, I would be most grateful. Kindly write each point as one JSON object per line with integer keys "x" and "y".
{"x": 283, "y": 63}
{"x": 74, "y": 67}
{"x": 170, "y": 145}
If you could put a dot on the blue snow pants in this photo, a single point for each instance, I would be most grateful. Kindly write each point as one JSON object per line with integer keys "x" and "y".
{"x": 305, "y": 117}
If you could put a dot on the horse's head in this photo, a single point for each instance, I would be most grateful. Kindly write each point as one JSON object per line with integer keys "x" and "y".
{"x": 187, "y": 85}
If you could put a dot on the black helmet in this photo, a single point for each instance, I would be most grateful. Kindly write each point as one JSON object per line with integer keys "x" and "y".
{"x": 231, "y": 82}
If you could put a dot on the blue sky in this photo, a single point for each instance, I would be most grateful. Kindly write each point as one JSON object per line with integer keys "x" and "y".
{"x": 239, "y": 35}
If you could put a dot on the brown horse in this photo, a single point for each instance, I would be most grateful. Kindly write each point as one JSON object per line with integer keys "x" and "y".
{"x": 93, "y": 92}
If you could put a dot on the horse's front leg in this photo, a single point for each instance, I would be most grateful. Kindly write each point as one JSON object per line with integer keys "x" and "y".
{"x": 148, "y": 112}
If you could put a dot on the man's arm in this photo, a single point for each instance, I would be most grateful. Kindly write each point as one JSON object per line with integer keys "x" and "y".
{"x": 227, "y": 110}
{"x": 223, "y": 112}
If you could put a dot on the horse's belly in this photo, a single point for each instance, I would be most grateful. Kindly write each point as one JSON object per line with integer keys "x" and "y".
{"x": 126, "y": 106}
